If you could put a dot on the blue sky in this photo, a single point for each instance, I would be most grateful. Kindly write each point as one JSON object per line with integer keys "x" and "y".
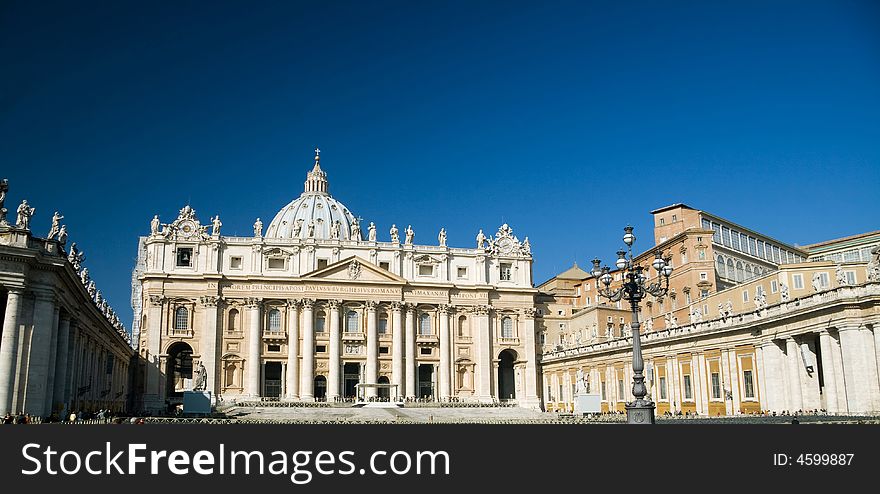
{"x": 566, "y": 120}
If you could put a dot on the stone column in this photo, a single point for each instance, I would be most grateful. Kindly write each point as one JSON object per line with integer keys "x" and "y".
{"x": 53, "y": 356}
{"x": 335, "y": 363}
{"x": 759, "y": 376}
{"x": 60, "y": 383}
{"x": 38, "y": 359}
{"x": 209, "y": 342}
{"x": 484, "y": 353}
{"x": 397, "y": 348}
{"x": 839, "y": 380}
{"x": 9, "y": 350}
{"x": 372, "y": 349}
{"x": 854, "y": 371}
{"x": 70, "y": 379}
{"x": 531, "y": 372}
{"x": 410, "y": 351}
{"x": 792, "y": 354}
{"x": 255, "y": 344}
{"x": 153, "y": 398}
{"x": 727, "y": 383}
{"x": 293, "y": 349}
{"x": 871, "y": 370}
{"x": 307, "y": 374}
{"x": 830, "y": 391}
{"x": 445, "y": 363}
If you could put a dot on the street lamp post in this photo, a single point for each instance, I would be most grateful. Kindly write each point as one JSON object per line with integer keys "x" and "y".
{"x": 633, "y": 290}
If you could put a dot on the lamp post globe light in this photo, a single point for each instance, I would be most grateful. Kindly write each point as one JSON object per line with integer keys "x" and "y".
{"x": 633, "y": 290}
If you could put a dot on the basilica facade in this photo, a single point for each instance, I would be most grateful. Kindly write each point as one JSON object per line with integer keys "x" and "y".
{"x": 318, "y": 307}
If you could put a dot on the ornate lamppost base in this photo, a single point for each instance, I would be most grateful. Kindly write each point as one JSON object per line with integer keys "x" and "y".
{"x": 640, "y": 412}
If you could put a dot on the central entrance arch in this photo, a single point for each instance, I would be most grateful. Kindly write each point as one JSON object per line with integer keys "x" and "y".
{"x": 506, "y": 376}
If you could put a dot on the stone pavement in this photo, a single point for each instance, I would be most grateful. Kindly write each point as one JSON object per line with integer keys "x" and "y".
{"x": 416, "y": 415}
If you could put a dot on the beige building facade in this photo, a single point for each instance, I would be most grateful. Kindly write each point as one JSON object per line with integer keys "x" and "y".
{"x": 793, "y": 334}
{"x": 318, "y": 307}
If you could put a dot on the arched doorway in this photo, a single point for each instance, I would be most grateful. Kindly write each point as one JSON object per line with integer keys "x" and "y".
{"x": 320, "y": 388}
{"x": 506, "y": 379}
{"x": 384, "y": 393}
{"x": 178, "y": 369}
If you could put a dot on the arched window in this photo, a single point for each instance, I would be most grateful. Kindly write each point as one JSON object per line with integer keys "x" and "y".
{"x": 424, "y": 324}
{"x": 320, "y": 319}
{"x": 740, "y": 276}
{"x": 232, "y": 322}
{"x": 274, "y": 320}
{"x": 731, "y": 274}
{"x": 719, "y": 266}
{"x": 181, "y": 318}
{"x": 463, "y": 329}
{"x": 383, "y": 324}
{"x": 749, "y": 273}
{"x": 351, "y": 322}
{"x": 507, "y": 327}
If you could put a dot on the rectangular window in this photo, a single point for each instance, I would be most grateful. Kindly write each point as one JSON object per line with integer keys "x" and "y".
{"x": 688, "y": 393}
{"x": 184, "y": 256}
{"x": 798, "y": 281}
{"x": 704, "y": 293}
{"x": 276, "y": 263}
{"x": 506, "y": 272}
{"x": 753, "y": 246}
{"x": 726, "y": 235}
{"x": 716, "y": 237}
{"x": 823, "y": 279}
{"x": 662, "y": 221}
{"x": 322, "y": 263}
{"x": 761, "y": 252}
{"x": 621, "y": 396}
{"x": 716, "y": 386}
{"x": 663, "y": 387}
{"x": 426, "y": 270}
{"x": 735, "y": 240}
{"x": 235, "y": 263}
{"x": 320, "y": 348}
{"x": 704, "y": 276}
{"x": 462, "y": 273}
{"x": 707, "y": 225}
{"x": 425, "y": 351}
{"x": 687, "y": 298}
{"x": 851, "y": 277}
{"x": 773, "y": 286}
{"x": 748, "y": 385}
{"x": 385, "y": 265}
{"x": 674, "y": 218}
{"x": 603, "y": 392}
{"x": 383, "y": 350}
{"x": 274, "y": 348}
{"x": 383, "y": 325}
{"x": 745, "y": 295}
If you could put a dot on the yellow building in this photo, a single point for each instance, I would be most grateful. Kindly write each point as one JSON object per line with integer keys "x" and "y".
{"x": 779, "y": 333}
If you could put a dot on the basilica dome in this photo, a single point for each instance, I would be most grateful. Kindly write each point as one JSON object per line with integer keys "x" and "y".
{"x": 314, "y": 214}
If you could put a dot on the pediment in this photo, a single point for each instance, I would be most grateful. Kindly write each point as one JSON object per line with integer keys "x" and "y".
{"x": 355, "y": 269}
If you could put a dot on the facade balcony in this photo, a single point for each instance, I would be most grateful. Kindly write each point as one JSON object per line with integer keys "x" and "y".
{"x": 427, "y": 339}
{"x": 512, "y": 341}
{"x": 274, "y": 335}
{"x": 180, "y": 333}
{"x": 354, "y": 336}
